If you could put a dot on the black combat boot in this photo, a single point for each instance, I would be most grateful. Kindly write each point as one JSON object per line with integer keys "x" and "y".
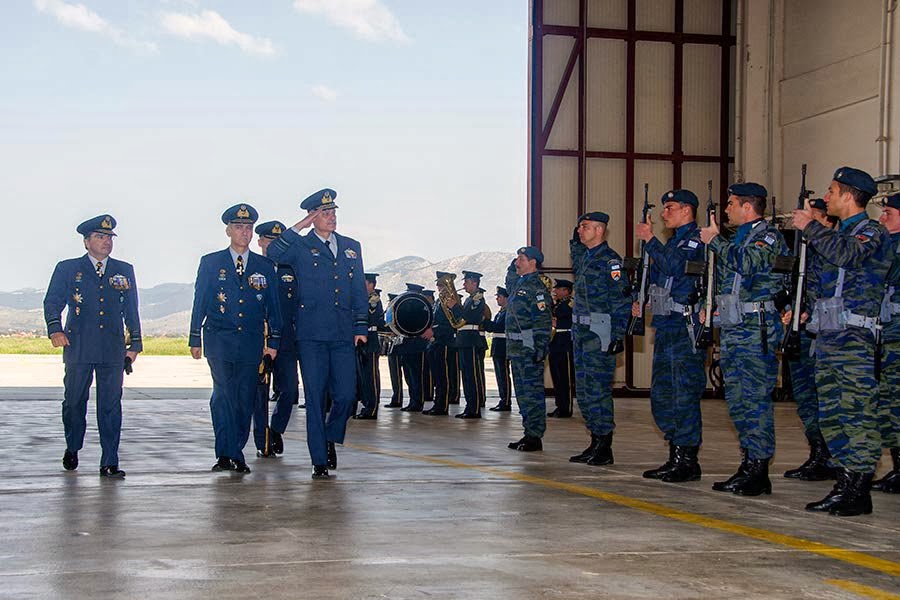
{"x": 756, "y": 481}
{"x": 728, "y": 484}
{"x": 658, "y": 472}
{"x": 603, "y": 455}
{"x": 587, "y": 452}
{"x": 530, "y": 444}
{"x": 816, "y": 466}
{"x": 890, "y": 483}
{"x": 685, "y": 466}
{"x": 856, "y": 499}
{"x": 835, "y": 496}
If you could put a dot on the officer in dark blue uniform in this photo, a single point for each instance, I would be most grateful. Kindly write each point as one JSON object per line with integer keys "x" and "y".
{"x": 471, "y": 344}
{"x": 497, "y": 328}
{"x": 331, "y": 320}
{"x": 441, "y": 354}
{"x": 395, "y": 369}
{"x": 284, "y": 376}
{"x": 412, "y": 358}
{"x": 235, "y": 295}
{"x": 369, "y": 384}
{"x": 101, "y": 294}
{"x": 561, "y": 357}
{"x": 427, "y": 379}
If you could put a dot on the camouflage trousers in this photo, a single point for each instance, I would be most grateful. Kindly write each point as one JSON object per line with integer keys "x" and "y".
{"x": 594, "y": 371}
{"x": 750, "y": 379}
{"x": 528, "y": 379}
{"x": 803, "y": 387}
{"x": 677, "y": 384}
{"x": 845, "y": 379}
{"x": 889, "y": 393}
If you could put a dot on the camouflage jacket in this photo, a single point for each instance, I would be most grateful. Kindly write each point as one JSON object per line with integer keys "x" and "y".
{"x": 668, "y": 265}
{"x": 600, "y": 285}
{"x": 528, "y": 310}
{"x": 749, "y": 256}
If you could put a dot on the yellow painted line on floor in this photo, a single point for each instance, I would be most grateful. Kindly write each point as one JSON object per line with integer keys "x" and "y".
{"x": 849, "y": 556}
{"x": 862, "y": 590}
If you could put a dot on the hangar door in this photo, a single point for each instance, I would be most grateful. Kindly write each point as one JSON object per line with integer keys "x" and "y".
{"x": 622, "y": 93}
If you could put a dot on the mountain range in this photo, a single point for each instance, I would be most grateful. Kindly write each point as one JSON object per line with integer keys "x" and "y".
{"x": 166, "y": 308}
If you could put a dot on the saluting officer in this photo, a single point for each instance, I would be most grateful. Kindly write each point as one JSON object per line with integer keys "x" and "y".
{"x": 600, "y": 317}
{"x": 331, "y": 320}
{"x": 442, "y": 357}
{"x": 679, "y": 373}
{"x": 561, "y": 358}
{"x": 101, "y": 295}
{"x": 849, "y": 292}
{"x": 395, "y": 369}
{"x": 750, "y": 330}
{"x": 285, "y": 378}
{"x": 412, "y": 358}
{"x": 497, "y": 329}
{"x": 369, "y": 386}
{"x": 235, "y": 295}
{"x": 528, "y": 323}
{"x": 470, "y": 343}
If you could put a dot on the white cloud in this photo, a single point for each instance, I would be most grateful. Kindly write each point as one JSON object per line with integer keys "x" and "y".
{"x": 367, "y": 19}
{"x": 79, "y": 16}
{"x": 323, "y": 92}
{"x": 210, "y": 24}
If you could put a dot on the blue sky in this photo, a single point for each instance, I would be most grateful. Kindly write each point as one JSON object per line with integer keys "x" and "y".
{"x": 165, "y": 112}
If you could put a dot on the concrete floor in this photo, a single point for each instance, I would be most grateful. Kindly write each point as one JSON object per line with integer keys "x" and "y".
{"x": 421, "y": 507}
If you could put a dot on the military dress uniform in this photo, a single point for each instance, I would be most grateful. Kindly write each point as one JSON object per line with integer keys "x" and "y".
{"x": 235, "y": 296}
{"x": 849, "y": 293}
{"x": 679, "y": 375}
{"x": 600, "y": 318}
{"x": 412, "y": 358}
{"x": 499, "y": 355}
{"x": 102, "y": 301}
{"x": 395, "y": 370}
{"x": 528, "y": 323}
{"x": 442, "y": 359}
{"x": 333, "y": 309}
{"x": 369, "y": 385}
{"x": 750, "y": 331}
{"x": 471, "y": 346}
{"x": 561, "y": 358}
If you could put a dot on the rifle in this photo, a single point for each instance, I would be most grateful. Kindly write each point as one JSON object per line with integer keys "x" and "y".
{"x": 636, "y": 324}
{"x": 790, "y": 346}
{"x": 705, "y": 337}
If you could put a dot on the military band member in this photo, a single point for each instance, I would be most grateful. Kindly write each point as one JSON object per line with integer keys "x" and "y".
{"x": 331, "y": 320}
{"x": 849, "y": 292}
{"x": 441, "y": 355}
{"x": 395, "y": 370}
{"x": 428, "y": 390}
{"x": 412, "y": 353}
{"x": 497, "y": 328}
{"x": 369, "y": 388}
{"x": 102, "y": 336}
{"x": 285, "y": 378}
{"x": 528, "y": 340}
{"x": 750, "y": 331}
{"x": 470, "y": 343}
{"x": 600, "y": 317}
{"x": 234, "y": 296}
{"x": 561, "y": 357}
{"x": 679, "y": 374}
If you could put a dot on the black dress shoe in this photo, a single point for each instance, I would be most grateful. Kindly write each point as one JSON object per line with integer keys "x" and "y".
{"x": 320, "y": 472}
{"x": 223, "y": 464}
{"x": 392, "y": 405}
{"x": 70, "y": 460}
{"x": 332, "y": 456}
{"x": 530, "y": 444}
{"x": 409, "y": 408}
{"x": 514, "y": 445}
{"x": 501, "y": 408}
{"x": 112, "y": 471}
{"x": 435, "y": 413}
{"x": 364, "y": 416}
{"x": 467, "y": 416}
{"x": 265, "y": 453}
{"x": 241, "y": 467}
{"x": 276, "y": 443}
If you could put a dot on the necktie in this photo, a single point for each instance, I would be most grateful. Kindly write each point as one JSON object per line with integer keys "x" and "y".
{"x": 240, "y": 266}
{"x": 99, "y": 269}
{"x": 331, "y": 247}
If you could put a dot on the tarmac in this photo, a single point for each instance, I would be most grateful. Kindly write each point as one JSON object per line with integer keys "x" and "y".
{"x": 419, "y": 507}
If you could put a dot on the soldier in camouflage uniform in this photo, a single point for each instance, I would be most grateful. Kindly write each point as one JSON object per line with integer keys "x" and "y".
{"x": 679, "y": 375}
{"x": 848, "y": 295}
{"x": 889, "y": 389}
{"x": 750, "y": 330}
{"x": 602, "y": 306}
{"x": 528, "y": 341}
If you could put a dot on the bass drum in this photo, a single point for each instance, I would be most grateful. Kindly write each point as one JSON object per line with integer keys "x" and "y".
{"x": 409, "y": 314}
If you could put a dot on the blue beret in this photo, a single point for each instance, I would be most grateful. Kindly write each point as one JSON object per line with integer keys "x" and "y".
{"x": 240, "y": 213}
{"x": 747, "y": 189}
{"x": 414, "y": 287}
{"x": 321, "y": 199}
{"x": 856, "y": 179}
{"x": 892, "y": 201}
{"x": 270, "y": 229}
{"x": 531, "y": 252}
{"x": 102, "y": 224}
{"x": 501, "y": 291}
{"x": 818, "y": 203}
{"x": 371, "y": 276}
{"x": 599, "y": 217}
{"x": 563, "y": 283}
{"x": 472, "y": 275}
{"x": 681, "y": 196}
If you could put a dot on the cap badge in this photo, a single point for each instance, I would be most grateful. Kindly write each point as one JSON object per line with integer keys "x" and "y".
{"x": 326, "y": 198}
{"x": 277, "y": 229}
{"x": 243, "y": 213}
{"x": 106, "y": 223}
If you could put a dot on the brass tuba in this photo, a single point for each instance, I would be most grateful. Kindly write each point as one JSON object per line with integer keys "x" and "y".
{"x": 446, "y": 289}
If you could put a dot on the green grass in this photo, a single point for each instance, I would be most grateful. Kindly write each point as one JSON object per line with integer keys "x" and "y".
{"x": 161, "y": 346}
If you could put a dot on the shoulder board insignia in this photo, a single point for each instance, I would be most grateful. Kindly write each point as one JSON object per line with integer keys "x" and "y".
{"x": 350, "y": 253}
